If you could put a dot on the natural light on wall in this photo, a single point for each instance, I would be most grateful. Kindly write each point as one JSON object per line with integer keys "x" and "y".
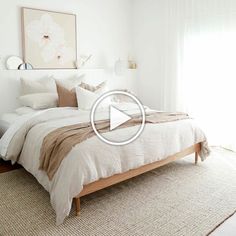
{"x": 209, "y": 79}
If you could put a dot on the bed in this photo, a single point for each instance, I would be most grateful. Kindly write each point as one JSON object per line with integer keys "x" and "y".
{"x": 6, "y": 120}
{"x": 85, "y": 169}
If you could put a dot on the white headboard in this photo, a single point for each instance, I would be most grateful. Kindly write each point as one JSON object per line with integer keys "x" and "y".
{"x": 10, "y": 82}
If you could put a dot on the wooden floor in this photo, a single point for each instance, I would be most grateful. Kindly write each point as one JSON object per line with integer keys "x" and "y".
{"x": 6, "y": 166}
{"x": 228, "y": 228}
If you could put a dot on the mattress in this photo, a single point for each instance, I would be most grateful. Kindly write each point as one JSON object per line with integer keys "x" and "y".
{"x": 6, "y": 120}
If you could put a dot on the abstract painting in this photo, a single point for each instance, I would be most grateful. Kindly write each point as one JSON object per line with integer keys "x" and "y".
{"x": 49, "y": 39}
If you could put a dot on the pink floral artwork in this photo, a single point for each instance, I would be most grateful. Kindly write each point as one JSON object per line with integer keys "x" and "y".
{"x": 49, "y": 39}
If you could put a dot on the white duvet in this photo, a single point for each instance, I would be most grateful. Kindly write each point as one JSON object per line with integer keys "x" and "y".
{"x": 92, "y": 159}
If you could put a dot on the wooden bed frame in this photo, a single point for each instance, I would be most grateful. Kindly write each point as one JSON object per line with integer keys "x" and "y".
{"x": 106, "y": 182}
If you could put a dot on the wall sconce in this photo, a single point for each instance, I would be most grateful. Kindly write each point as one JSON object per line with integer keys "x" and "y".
{"x": 120, "y": 67}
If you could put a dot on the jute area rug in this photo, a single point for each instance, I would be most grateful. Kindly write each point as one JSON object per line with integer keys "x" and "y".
{"x": 177, "y": 199}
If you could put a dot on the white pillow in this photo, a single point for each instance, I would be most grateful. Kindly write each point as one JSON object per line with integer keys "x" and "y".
{"x": 43, "y": 85}
{"x": 71, "y": 82}
{"x": 86, "y": 98}
{"x": 24, "y": 110}
{"x": 39, "y": 100}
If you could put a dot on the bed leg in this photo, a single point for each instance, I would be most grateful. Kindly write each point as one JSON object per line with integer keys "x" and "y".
{"x": 77, "y": 205}
{"x": 196, "y": 158}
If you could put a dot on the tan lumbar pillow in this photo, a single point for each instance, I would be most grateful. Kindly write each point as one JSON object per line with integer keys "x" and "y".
{"x": 66, "y": 97}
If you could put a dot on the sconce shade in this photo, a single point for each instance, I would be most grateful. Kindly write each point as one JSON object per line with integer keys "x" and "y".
{"x": 120, "y": 67}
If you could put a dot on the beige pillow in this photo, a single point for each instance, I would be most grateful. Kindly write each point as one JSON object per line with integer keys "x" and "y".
{"x": 93, "y": 88}
{"x": 70, "y": 83}
{"x": 43, "y": 85}
{"x": 39, "y": 101}
{"x": 66, "y": 97}
{"x": 87, "y": 98}
{"x": 119, "y": 98}
{"x": 67, "y": 93}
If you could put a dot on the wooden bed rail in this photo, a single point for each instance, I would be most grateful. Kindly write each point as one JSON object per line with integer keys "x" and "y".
{"x": 106, "y": 182}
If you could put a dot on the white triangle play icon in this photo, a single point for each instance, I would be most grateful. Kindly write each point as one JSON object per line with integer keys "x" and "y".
{"x": 117, "y": 118}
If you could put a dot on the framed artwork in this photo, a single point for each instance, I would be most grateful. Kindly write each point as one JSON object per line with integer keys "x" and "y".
{"x": 49, "y": 39}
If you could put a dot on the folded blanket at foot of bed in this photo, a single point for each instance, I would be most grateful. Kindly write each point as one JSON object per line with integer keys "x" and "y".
{"x": 58, "y": 143}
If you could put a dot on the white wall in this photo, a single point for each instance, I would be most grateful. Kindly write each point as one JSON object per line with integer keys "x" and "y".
{"x": 103, "y": 27}
{"x": 147, "y": 49}
{"x": 150, "y": 49}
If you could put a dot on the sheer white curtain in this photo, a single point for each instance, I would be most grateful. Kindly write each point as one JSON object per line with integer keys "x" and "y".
{"x": 204, "y": 32}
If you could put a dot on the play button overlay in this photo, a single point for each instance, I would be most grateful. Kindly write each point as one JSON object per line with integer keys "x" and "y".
{"x": 117, "y": 118}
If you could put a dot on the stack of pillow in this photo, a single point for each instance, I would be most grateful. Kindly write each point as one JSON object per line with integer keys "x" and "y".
{"x": 38, "y": 94}
{"x": 48, "y": 93}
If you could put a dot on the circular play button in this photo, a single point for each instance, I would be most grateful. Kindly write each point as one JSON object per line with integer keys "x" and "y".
{"x": 117, "y": 118}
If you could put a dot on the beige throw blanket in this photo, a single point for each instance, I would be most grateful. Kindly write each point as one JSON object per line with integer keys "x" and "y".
{"x": 58, "y": 144}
